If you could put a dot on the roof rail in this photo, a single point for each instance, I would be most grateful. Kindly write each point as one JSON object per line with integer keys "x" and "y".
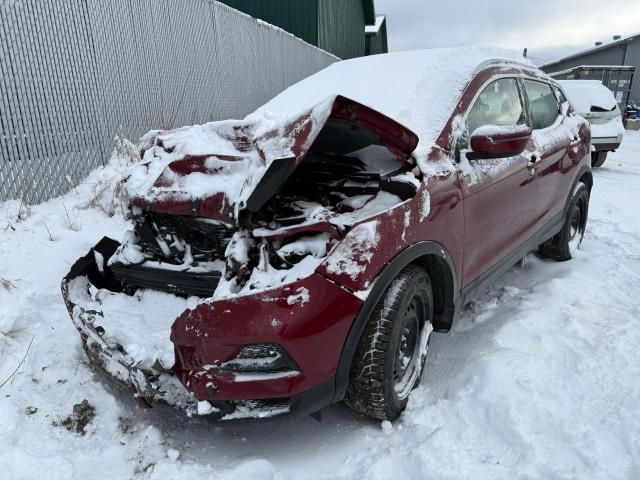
{"x": 502, "y": 61}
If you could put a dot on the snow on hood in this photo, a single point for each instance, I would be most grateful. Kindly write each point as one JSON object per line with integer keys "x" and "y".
{"x": 226, "y": 157}
{"x": 418, "y": 89}
{"x": 583, "y": 94}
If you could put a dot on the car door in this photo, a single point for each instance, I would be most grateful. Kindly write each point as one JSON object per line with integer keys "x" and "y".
{"x": 553, "y": 141}
{"x": 500, "y": 197}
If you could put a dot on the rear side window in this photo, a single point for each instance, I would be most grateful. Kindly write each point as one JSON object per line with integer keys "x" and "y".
{"x": 543, "y": 104}
{"x": 559, "y": 95}
{"x": 498, "y": 104}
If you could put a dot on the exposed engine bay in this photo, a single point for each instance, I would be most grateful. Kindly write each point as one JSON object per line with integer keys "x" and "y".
{"x": 288, "y": 225}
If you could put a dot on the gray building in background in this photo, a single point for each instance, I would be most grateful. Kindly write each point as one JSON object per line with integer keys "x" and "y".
{"x": 621, "y": 52}
{"x": 76, "y": 73}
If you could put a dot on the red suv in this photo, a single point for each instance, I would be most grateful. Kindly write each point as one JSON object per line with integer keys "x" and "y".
{"x": 281, "y": 263}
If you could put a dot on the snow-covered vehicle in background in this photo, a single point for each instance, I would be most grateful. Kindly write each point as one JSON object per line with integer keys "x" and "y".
{"x": 596, "y": 103}
{"x": 284, "y": 262}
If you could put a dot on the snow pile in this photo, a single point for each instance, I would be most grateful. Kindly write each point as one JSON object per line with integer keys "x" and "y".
{"x": 103, "y": 188}
{"x": 537, "y": 380}
{"x": 416, "y": 88}
{"x": 140, "y": 323}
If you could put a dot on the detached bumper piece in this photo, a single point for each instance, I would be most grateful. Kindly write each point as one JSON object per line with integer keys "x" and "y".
{"x": 179, "y": 283}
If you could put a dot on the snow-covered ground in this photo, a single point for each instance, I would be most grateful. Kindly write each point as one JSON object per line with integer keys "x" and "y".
{"x": 540, "y": 377}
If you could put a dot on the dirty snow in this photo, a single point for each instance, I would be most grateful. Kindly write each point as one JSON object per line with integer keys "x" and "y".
{"x": 537, "y": 380}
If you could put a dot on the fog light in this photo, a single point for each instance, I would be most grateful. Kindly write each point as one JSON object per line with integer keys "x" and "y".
{"x": 268, "y": 357}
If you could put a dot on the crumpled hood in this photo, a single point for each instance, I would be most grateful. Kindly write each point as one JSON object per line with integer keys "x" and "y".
{"x": 212, "y": 170}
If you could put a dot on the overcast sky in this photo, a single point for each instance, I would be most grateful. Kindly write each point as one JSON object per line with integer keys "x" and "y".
{"x": 549, "y": 28}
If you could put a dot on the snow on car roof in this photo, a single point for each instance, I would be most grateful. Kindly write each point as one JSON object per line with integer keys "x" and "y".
{"x": 417, "y": 88}
{"x": 583, "y": 94}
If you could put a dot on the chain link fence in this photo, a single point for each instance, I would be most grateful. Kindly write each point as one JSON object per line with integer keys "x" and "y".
{"x": 76, "y": 73}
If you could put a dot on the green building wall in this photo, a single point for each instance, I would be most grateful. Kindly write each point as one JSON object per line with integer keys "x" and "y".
{"x": 377, "y": 43}
{"x": 299, "y": 17}
{"x": 341, "y": 27}
{"x": 336, "y": 26}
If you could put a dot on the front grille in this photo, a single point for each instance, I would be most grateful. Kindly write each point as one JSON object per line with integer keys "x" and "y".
{"x": 167, "y": 237}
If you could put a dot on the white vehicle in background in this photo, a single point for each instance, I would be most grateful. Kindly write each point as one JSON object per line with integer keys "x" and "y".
{"x": 596, "y": 103}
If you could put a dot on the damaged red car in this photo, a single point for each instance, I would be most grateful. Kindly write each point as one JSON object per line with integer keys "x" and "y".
{"x": 303, "y": 256}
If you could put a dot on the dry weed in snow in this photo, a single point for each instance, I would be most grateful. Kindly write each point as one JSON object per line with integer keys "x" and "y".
{"x": 6, "y": 284}
{"x": 83, "y": 414}
{"x": 106, "y": 184}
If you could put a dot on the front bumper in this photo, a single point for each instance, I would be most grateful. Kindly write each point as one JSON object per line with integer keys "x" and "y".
{"x": 309, "y": 319}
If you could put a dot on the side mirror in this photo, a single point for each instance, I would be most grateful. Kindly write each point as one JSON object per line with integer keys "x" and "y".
{"x": 496, "y": 141}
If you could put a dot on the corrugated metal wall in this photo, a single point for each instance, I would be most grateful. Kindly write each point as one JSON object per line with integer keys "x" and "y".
{"x": 615, "y": 55}
{"x": 341, "y": 27}
{"x": 633, "y": 58}
{"x": 76, "y": 73}
{"x": 609, "y": 56}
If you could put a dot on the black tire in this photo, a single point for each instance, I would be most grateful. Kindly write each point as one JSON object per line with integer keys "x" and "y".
{"x": 559, "y": 248}
{"x": 598, "y": 158}
{"x": 381, "y": 379}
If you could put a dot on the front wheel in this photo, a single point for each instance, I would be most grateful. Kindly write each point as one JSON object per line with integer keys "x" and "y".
{"x": 598, "y": 159}
{"x": 392, "y": 350}
{"x": 562, "y": 246}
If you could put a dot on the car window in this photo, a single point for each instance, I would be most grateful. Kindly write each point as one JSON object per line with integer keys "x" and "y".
{"x": 498, "y": 104}
{"x": 543, "y": 105}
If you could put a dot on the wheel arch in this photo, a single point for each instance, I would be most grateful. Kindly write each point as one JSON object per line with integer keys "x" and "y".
{"x": 586, "y": 177}
{"x": 438, "y": 263}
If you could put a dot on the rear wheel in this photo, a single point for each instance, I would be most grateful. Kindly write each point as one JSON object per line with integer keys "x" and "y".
{"x": 392, "y": 350}
{"x": 598, "y": 158}
{"x": 564, "y": 244}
